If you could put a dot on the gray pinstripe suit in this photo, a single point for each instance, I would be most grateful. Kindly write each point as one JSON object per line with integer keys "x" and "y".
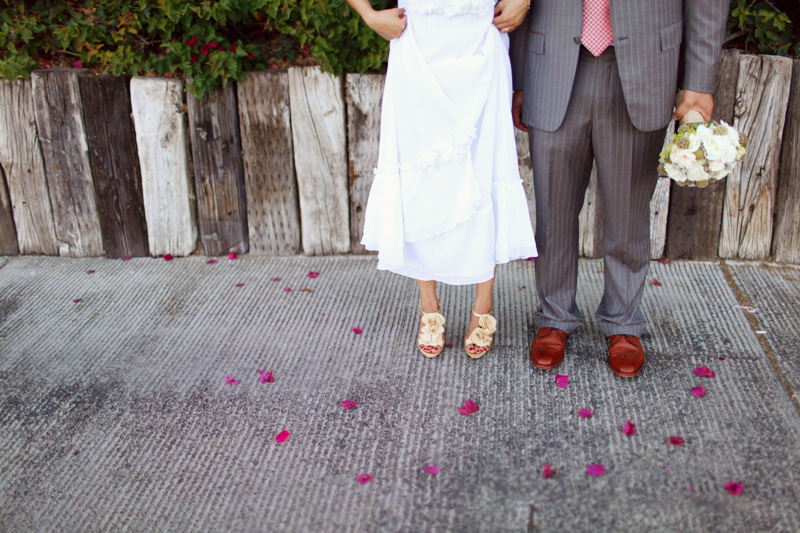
{"x": 614, "y": 109}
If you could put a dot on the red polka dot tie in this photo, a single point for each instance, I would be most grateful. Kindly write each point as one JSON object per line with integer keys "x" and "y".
{"x": 596, "y": 33}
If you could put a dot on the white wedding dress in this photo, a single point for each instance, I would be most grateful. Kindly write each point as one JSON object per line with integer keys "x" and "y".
{"x": 447, "y": 202}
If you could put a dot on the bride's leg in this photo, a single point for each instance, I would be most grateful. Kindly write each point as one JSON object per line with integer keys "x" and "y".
{"x": 430, "y": 304}
{"x": 482, "y": 305}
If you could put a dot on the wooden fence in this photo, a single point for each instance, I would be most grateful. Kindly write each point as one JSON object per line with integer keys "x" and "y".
{"x": 281, "y": 164}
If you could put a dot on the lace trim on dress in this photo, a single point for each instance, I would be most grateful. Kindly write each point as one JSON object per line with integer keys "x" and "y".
{"x": 450, "y": 8}
{"x": 440, "y": 153}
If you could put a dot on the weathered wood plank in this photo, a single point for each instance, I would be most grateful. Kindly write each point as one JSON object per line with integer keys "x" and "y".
{"x": 21, "y": 160}
{"x": 695, "y": 215}
{"x": 526, "y": 171}
{"x": 115, "y": 166}
{"x": 8, "y": 234}
{"x": 364, "y": 93}
{"x": 318, "y": 130}
{"x": 218, "y": 172}
{"x": 59, "y": 121}
{"x": 786, "y": 243}
{"x": 160, "y": 120}
{"x": 763, "y": 94}
{"x": 590, "y": 220}
{"x": 273, "y": 213}
{"x": 659, "y": 208}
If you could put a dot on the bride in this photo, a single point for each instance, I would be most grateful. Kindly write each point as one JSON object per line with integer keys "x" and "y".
{"x": 447, "y": 202}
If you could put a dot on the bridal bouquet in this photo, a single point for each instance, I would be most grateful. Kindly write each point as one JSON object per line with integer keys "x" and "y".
{"x": 702, "y": 152}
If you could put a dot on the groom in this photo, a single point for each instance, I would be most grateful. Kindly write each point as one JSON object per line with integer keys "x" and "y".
{"x": 596, "y": 79}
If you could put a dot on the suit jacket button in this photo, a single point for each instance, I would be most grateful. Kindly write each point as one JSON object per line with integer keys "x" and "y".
{"x": 576, "y": 40}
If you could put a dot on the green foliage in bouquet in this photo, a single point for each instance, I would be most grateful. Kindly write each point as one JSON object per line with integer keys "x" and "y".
{"x": 208, "y": 42}
{"x": 701, "y": 153}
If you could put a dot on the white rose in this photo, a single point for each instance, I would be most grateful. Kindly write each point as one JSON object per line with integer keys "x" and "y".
{"x": 715, "y": 166}
{"x": 682, "y": 158}
{"x": 704, "y": 132}
{"x": 719, "y": 148}
{"x": 732, "y": 135}
{"x": 675, "y": 173}
{"x": 696, "y": 174}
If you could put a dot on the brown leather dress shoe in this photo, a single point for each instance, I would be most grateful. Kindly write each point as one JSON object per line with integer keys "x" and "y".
{"x": 625, "y": 355}
{"x": 547, "y": 349}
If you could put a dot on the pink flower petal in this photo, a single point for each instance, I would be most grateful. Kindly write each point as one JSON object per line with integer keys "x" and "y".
{"x": 77, "y": 64}
{"x": 76, "y": 300}
{"x": 266, "y": 377}
{"x": 468, "y": 408}
{"x": 168, "y": 257}
{"x": 358, "y": 331}
{"x": 669, "y": 469}
{"x": 562, "y": 381}
{"x": 90, "y": 271}
{"x": 233, "y": 255}
{"x": 287, "y": 289}
{"x": 231, "y": 381}
{"x": 448, "y": 345}
{"x": 313, "y": 275}
{"x": 283, "y": 436}
{"x": 240, "y": 284}
{"x": 431, "y": 469}
{"x": 721, "y": 358}
{"x": 664, "y": 261}
{"x": 677, "y": 441}
{"x": 348, "y": 404}
{"x": 585, "y": 413}
{"x": 211, "y": 261}
{"x": 548, "y": 471}
{"x": 128, "y": 258}
{"x": 629, "y": 428}
{"x": 697, "y": 392}
{"x": 531, "y": 259}
{"x": 734, "y": 488}
{"x": 275, "y": 279}
{"x": 364, "y": 478}
{"x": 656, "y": 282}
{"x": 704, "y": 372}
{"x": 595, "y": 470}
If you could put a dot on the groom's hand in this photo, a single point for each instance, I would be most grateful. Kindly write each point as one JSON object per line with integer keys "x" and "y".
{"x": 700, "y": 102}
{"x": 509, "y": 14}
{"x": 516, "y": 111}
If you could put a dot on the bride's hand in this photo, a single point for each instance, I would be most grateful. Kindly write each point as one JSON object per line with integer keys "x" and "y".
{"x": 509, "y": 14}
{"x": 388, "y": 23}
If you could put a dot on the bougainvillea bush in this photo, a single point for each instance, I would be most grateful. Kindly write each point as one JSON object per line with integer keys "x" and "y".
{"x": 212, "y": 42}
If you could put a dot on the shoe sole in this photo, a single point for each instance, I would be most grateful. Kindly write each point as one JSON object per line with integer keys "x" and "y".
{"x": 623, "y": 374}
{"x": 547, "y": 367}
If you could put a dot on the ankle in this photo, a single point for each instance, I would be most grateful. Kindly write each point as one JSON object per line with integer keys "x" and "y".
{"x": 482, "y": 305}
{"x": 430, "y": 304}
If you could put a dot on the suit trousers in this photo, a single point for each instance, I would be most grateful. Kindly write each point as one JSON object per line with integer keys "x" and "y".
{"x": 596, "y": 126}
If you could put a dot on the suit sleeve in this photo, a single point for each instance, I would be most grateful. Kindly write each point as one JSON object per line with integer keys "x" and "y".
{"x": 519, "y": 45}
{"x": 704, "y": 23}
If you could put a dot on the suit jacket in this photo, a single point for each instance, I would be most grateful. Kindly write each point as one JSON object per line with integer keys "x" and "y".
{"x": 651, "y": 37}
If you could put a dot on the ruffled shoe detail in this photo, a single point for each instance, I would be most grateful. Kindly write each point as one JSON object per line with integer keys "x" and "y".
{"x": 482, "y": 335}
{"x": 431, "y": 333}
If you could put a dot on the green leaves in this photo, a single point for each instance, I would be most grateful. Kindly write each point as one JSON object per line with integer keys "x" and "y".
{"x": 760, "y": 27}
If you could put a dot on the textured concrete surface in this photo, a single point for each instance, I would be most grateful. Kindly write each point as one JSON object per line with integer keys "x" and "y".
{"x": 115, "y": 414}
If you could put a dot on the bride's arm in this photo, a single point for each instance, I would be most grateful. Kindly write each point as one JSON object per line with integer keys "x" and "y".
{"x": 388, "y": 23}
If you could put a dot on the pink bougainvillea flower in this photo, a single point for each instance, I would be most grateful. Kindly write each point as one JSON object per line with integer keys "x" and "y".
{"x": 629, "y": 428}
{"x": 548, "y": 471}
{"x": 313, "y": 275}
{"x": 431, "y": 469}
{"x": 251, "y": 56}
{"x": 275, "y": 279}
{"x": 656, "y": 282}
{"x": 232, "y": 256}
{"x": 204, "y": 50}
{"x": 211, "y": 261}
{"x": 266, "y": 377}
{"x": 468, "y": 408}
{"x": 734, "y": 488}
{"x": 193, "y": 58}
{"x": 704, "y": 372}
{"x": 287, "y": 289}
{"x": 231, "y": 381}
{"x": 358, "y": 331}
{"x": 77, "y": 64}
{"x": 128, "y": 258}
{"x": 677, "y": 441}
{"x": 562, "y": 381}
{"x": 697, "y": 392}
{"x": 76, "y": 300}
{"x": 240, "y": 284}
{"x": 233, "y": 48}
{"x": 669, "y": 469}
{"x": 90, "y": 271}
{"x": 585, "y": 413}
{"x": 364, "y": 478}
{"x": 531, "y": 259}
{"x": 664, "y": 261}
{"x": 595, "y": 470}
{"x": 283, "y": 436}
{"x": 192, "y": 41}
{"x": 168, "y": 257}
{"x": 721, "y": 358}
{"x": 348, "y": 404}
{"x": 212, "y": 44}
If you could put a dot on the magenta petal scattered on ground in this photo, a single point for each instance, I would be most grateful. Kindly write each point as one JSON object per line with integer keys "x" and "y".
{"x": 585, "y": 413}
{"x": 287, "y": 289}
{"x": 677, "y": 441}
{"x": 358, "y": 331}
{"x": 348, "y": 404}
{"x": 231, "y": 381}
{"x": 664, "y": 261}
{"x": 266, "y": 377}
{"x": 548, "y": 471}
{"x": 313, "y": 275}
{"x": 704, "y": 372}
{"x": 698, "y": 391}
{"x": 240, "y": 284}
{"x": 90, "y": 271}
{"x": 431, "y": 469}
{"x": 629, "y": 428}
{"x": 595, "y": 470}
{"x": 734, "y": 488}
{"x": 531, "y": 259}
{"x": 364, "y": 478}
{"x": 656, "y": 282}
{"x": 283, "y": 436}
{"x": 127, "y": 258}
{"x": 233, "y": 255}
{"x": 448, "y": 345}
{"x": 275, "y": 279}
{"x": 76, "y": 300}
{"x": 468, "y": 408}
{"x": 211, "y": 261}
{"x": 168, "y": 257}
{"x": 562, "y": 381}
{"x": 669, "y": 469}
{"x": 721, "y": 358}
